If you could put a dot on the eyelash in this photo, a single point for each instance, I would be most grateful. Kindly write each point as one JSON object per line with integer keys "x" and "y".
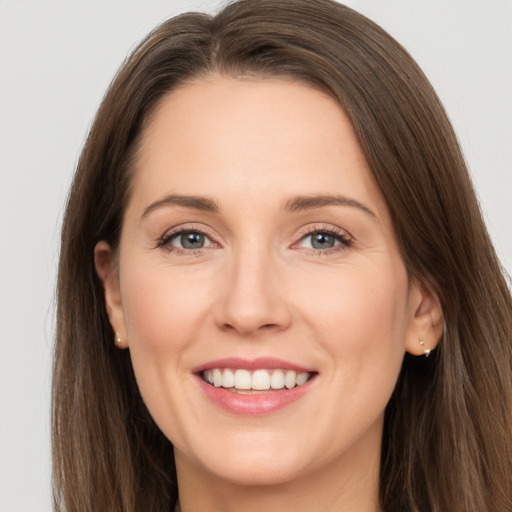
{"x": 345, "y": 241}
{"x": 339, "y": 235}
{"x": 165, "y": 241}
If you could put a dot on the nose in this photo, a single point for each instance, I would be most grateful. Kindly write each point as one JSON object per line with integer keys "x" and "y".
{"x": 253, "y": 298}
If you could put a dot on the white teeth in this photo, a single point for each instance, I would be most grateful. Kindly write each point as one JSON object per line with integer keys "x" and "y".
{"x": 217, "y": 378}
{"x": 242, "y": 379}
{"x": 277, "y": 379}
{"x": 258, "y": 380}
{"x": 302, "y": 378}
{"x": 289, "y": 379}
{"x": 228, "y": 379}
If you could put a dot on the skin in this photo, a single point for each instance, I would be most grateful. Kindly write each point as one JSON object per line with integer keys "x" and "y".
{"x": 259, "y": 289}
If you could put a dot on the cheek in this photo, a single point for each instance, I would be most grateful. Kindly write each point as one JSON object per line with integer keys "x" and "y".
{"x": 365, "y": 300}
{"x": 162, "y": 316}
{"x": 161, "y": 308}
{"x": 360, "y": 317}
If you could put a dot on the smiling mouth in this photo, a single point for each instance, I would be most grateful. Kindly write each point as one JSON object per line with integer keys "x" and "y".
{"x": 255, "y": 381}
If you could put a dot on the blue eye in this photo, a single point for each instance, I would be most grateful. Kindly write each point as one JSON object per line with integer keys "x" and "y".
{"x": 191, "y": 240}
{"x": 187, "y": 240}
{"x": 324, "y": 240}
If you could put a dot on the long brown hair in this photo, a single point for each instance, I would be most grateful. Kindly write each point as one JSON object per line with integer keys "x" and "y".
{"x": 447, "y": 441}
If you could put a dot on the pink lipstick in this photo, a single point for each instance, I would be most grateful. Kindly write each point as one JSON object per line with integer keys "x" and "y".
{"x": 253, "y": 387}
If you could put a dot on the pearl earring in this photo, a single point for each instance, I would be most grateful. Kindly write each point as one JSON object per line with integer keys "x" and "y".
{"x": 426, "y": 351}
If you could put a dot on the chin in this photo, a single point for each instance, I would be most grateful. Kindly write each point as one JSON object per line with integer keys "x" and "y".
{"x": 259, "y": 460}
{"x": 257, "y": 472}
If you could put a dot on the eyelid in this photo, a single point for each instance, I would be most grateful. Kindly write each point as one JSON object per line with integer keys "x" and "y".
{"x": 325, "y": 228}
{"x": 163, "y": 241}
{"x": 344, "y": 237}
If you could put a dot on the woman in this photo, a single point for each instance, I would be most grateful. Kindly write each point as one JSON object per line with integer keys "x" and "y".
{"x": 276, "y": 290}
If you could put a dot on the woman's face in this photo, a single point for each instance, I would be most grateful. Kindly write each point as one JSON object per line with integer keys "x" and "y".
{"x": 260, "y": 288}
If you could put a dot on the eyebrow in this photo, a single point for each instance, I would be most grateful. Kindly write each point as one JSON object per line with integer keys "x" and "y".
{"x": 196, "y": 202}
{"x": 297, "y": 203}
{"x": 300, "y": 203}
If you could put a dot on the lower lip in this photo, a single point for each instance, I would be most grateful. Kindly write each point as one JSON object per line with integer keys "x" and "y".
{"x": 253, "y": 404}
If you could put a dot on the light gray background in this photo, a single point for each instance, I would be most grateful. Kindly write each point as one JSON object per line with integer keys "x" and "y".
{"x": 56, "y": 60}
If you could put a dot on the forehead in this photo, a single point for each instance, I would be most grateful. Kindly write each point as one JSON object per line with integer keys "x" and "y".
{"x": 259, "y": 136}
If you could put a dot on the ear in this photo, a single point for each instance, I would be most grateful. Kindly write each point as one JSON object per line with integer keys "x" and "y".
{"x": 106, "y": 268}
{"x": 426, "y": 323}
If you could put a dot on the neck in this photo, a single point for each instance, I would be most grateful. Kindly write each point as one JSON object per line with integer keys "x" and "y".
{"x": 343, "y": 485}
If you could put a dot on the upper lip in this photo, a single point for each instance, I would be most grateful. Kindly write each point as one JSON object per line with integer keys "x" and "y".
{"x": 268, "y": 363}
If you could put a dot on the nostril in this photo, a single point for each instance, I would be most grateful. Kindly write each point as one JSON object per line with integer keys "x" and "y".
{"x": 251, "y": 312}
{"x": 246, "y": 329}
